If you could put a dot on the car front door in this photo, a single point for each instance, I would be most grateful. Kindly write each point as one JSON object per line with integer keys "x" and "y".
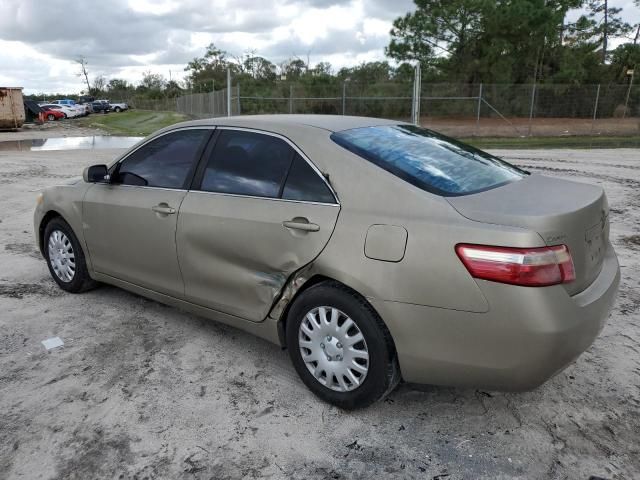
{"x": 258, "y": 212}
{"x": 130, "y": 223}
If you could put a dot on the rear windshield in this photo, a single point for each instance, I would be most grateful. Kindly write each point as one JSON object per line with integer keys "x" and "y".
{"x": 428, "y": 160}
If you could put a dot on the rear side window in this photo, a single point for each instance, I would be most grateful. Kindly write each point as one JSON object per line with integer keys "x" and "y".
{"x": 428, "y": 160}
{"x": 247, "y": 163}
{"x": 165, "y": 162}
{"x": 304, "y": 184}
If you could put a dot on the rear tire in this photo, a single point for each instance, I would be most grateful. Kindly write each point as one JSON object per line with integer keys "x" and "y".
{"x": 51, "y": 118}
{"x": 334, "y": 368}
{"x": 117, "y": 109}
{"x": 65, "y": 257}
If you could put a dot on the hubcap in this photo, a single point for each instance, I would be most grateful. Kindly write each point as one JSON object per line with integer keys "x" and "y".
{"x": 333, "y": 349}
{"x": 61, "y": 256}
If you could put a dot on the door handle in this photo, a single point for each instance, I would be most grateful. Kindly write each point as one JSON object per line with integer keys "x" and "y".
{"x": 164, "y": 209}
{"x": 303, "y": 225}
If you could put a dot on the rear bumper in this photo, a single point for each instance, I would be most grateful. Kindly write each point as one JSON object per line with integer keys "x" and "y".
{"x": 527, "y": 336}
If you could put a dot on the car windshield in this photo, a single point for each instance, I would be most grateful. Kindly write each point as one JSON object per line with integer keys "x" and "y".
{"x": 428, "y": 160}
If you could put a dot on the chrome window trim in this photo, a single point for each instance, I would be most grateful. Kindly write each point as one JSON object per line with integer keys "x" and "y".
{"x": 297, "y": 150}
{"x": 227, "y": 127}
{"x": 146, "y": 141}
{"x": 255, "y": 197}
{"x": 114, "y": 185}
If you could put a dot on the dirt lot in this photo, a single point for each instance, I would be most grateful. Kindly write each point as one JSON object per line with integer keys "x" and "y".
{"x": 141, "y": 390}
{"x": 540, "y": 127}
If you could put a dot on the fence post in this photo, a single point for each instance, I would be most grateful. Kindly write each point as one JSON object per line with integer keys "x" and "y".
{"x": 533, "y": 101}
{"x": 479, "y": 107}
{"x": 290, "y": 98}
{"x": 344, "y": 96}
{"x": 626, "y": 102}
{"x": 213, "y": 98}
{"x": 238, "y": 94}
{"x": 228, "y": 92}
{"x": 417, "y": 87}
{"x": 595, "y": 109}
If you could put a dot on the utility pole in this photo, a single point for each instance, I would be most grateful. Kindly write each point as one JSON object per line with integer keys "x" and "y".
{"x": 228, "y": 92}
{"x": 83, "y": 71}
{"x": 605, "y": 31}
{"x": 417, "y": 86}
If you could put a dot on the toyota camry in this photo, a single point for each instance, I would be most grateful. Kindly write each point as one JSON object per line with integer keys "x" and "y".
{"x": 373, "y": 250}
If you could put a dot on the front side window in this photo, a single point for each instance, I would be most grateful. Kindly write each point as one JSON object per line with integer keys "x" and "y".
{"x": 247, "y": 163}
{"x": 428, "y": 160}
{"x": 165, "y": 162}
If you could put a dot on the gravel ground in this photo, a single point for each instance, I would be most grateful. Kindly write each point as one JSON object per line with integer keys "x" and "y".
{"x": 141, "y": 390}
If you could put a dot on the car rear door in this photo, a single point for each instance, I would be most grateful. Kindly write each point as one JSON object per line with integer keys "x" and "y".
{"x": 130, "y": 224}
{"x": 258, "y": 211}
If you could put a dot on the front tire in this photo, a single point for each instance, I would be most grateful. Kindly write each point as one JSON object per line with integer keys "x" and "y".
{"x": 51, "y": 117}
{"x": 65, "y": 257}
{"x": 340, "y": 347}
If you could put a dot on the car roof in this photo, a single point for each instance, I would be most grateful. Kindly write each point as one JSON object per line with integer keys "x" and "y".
{"x": 332, "y": 123}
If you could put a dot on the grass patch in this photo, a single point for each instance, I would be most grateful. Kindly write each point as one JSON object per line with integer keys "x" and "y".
{"x": 132, "y": 122}
{"x": 554, "y": 142}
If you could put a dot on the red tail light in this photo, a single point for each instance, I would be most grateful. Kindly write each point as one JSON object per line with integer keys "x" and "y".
{"x": 531, "y": 267}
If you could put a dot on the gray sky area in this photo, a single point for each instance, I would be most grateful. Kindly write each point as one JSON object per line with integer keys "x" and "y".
{"x": 39, "y": 40}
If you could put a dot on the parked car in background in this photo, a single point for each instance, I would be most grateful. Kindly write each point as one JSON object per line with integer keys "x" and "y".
{"x": 86, "y": 108}
{"x": 80, "y": 108}
{"x": 119, "y": 106}
{"x": 52, "y": 114}
{"x": 99, "y": 106}
{"x": 371, "y": 249}
{"x": 86, "y": 99}
{"x": 69, "y": 111}
{"x": 66, "y": 101}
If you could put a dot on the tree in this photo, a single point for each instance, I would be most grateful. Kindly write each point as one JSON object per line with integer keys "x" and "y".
{"x": 259, "y": 68}
{"x": 600, "y": 24}
{"x": 436, "y": 28}
{"x": 152, "y": 81}
{"x": 118, "y": 84}
{"x": 99, "y": 84}
{"x": 293, "y": 68}
{"x": 322, "y": 69}
{"x": 481, "y": 40}
{"x": 210, "y": 67}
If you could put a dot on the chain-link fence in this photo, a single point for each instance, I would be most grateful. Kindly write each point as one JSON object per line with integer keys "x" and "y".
{"x": 462, "y": 110}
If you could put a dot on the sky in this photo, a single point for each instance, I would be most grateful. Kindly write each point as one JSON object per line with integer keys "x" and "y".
{"x": 40, "y": 39}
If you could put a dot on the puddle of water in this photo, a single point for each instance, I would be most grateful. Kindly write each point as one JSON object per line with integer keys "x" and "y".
{"x": 69, "y": 143}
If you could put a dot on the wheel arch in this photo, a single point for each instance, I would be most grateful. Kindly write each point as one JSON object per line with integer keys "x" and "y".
{"x": 50, "y": 215}
{"x": 295, "y": 288}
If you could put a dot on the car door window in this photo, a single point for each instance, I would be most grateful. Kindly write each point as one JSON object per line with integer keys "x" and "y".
{"x": 247, "y": 163}
{"x": 304, "y": 184}
{"x": 165, "y": 162}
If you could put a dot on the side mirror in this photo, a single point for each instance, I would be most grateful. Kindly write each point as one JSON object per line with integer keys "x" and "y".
{"x": 96, "y": 174}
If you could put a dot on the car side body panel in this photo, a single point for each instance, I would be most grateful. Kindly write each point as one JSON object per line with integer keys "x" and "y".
{"x": 66, "y": 201}
{"x": 128, "y": 240}
{"x": 235, "y": 253}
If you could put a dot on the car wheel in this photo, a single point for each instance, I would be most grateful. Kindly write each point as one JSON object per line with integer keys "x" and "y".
{"x": 51, "y": 118}
{"x": 65, "y": 257}
{"x": 340, "y": 347}
{"x": 117, "y": 109}
{"x": 64, "y": 115}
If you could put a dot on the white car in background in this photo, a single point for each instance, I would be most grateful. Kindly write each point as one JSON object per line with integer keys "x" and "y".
{"x": 119, "y": 106}
{"x": 81, "y": 109}
{"x": 70, "y": 111}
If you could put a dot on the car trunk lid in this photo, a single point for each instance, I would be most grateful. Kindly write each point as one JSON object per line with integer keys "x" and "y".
{"x": 560, "y": 211}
